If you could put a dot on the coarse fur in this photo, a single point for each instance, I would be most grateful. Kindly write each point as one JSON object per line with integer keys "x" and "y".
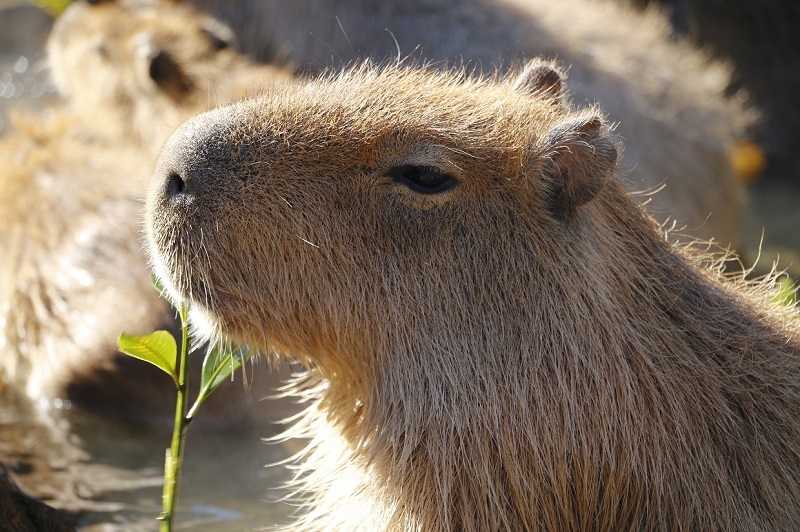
{"x": 667, "y": 96}
{"x": 497, "y": 337}
{"x": 147, "y": 67}
{"x": 72, "y": 273}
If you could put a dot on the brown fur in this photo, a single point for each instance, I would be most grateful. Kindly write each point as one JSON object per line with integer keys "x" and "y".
{"x": 667, "y": 97}
{"x": 72, "y": 271}
{"x": 149, "y": 68}
{"x": 22, "y": 513}
{"x": 521, "y": 351}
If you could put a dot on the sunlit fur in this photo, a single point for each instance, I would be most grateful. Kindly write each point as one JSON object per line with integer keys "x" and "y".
{"x": 72, "y": 271}
{"x": 667, "y": 96}
{"x": 525, "y": 351}
{"x": 104, "y": 58}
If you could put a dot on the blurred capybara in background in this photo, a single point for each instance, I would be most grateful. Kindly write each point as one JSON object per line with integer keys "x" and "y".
{"x": 498, "y": 337}
{"x": 763, "y": 40}
{"x": 72, "y": 272}
{"x": 149, "y": 68}
{"x": 667, "y": 97}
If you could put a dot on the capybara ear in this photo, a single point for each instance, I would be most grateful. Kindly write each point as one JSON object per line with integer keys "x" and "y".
{"x": 579, "y": 157}
{"x": 218, "y": 34}
{"x": 540, "y": 77}
{"x": 167, "y": 74}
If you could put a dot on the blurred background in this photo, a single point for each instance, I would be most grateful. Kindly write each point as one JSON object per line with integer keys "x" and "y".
{"x": 762, "y": 41}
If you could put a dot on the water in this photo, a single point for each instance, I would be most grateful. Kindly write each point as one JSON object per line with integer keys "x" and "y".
{"x": 107, "y": 476}
{"x": 24, "y": 81}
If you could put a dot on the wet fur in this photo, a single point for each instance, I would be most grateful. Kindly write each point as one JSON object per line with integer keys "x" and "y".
{"x": 525, "y": 351}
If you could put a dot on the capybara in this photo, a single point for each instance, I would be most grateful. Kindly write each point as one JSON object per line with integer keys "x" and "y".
{"x": 72, "y": 272}
{"x": 149, "y": 68}
{"x": 498, "y": 338}
{"x": 667, "y": 97}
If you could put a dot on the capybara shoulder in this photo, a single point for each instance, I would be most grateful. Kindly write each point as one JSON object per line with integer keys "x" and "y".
{"x": 72, "y": 274}
{"x": 498, "y": 338}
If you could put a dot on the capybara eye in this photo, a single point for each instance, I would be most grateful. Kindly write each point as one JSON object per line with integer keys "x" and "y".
{"x": 217, "y": 39}
{"x": 424, "y": 179}
{"x": 101, "y": 48}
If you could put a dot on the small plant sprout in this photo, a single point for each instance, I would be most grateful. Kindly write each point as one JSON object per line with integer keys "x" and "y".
{"x": 160, "y": 349}
{"x": 785, "y": 291}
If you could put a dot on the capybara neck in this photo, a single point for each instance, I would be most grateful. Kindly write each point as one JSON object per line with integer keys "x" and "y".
{"x": 498, "y": 337}
{"x": 599, "y": 393}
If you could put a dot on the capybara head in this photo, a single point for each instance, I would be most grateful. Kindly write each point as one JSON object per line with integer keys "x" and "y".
{"x": 149, "y": 67}
{"x": 352, "y": 195}
{"x": 497, "y": 336}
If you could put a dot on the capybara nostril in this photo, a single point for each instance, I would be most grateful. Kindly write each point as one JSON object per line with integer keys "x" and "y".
{"x": 199, "y": 163}
{"x": 183, "y": 182}
{"x": 175, "y": 184}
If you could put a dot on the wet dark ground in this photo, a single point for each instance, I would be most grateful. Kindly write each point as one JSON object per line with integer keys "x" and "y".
{"x": 106, "y": 475}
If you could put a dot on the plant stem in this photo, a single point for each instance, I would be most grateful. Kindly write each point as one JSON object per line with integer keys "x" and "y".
{"x": 174, "y": 459}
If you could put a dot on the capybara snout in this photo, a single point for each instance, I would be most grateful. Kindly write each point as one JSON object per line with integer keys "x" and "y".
{"x": 198, "y": 158}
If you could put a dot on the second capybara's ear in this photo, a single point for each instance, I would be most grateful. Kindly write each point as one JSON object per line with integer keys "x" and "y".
{"x": 541, "y": 77}
{"x": 219, "y": 35}
{"x": 167, "y": 74}
{"x": 578, "y": 157}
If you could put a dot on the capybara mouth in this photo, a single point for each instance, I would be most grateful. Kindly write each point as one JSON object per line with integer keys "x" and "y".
{"x": 189, "y": 279}
{"x": 181, "y": 260}
{"x": 168, "y": 257}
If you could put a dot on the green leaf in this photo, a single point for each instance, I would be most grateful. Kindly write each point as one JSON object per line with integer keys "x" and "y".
{"x": 54, "y": 7}
{"x": 158, "y": 348}
{"x": 785, "y": 291}
{"x": 218, "y": 366}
